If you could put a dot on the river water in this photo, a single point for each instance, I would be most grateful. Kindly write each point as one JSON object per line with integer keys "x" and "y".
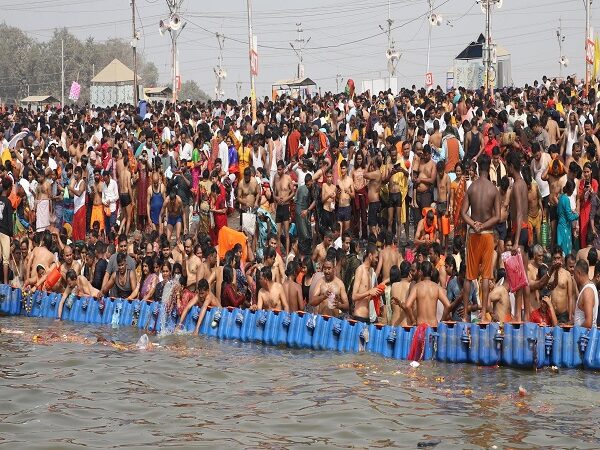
{"x": 64, "y": 385}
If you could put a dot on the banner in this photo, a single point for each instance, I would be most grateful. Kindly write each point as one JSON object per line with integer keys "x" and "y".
{"x": 75, "y": 91}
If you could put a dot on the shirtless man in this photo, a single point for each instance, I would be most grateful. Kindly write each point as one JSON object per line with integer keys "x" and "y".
{"x": 271, "y": 295}
{"x": 519, "y": 233}
{"x": 398, "y": 296}
{"x": 443, "y": 198}
{"x": 330, "y": 296}
{"x": 426, "y": 179}
{"x": 534, "y": 207}
{"x": 535, "y": 281}
{"x": 484, "y": 202}
{"x": 364, "y": 288}
{"x": 374, "y": 187}
{"x": 345, "y": 195}
{"x": 248, "y": 193}
{"x": 278, "y": 264}
{"x": 283, "y": 193}
{"x": 388, "y": 257}
{"x": 192, "y": 265}
{"x": 293, "y": 291}
{"x": 205, "y": 298}
{"x": 499, "y": 299}
{"x": 427, "y": 232}
{"x": 125, "y": 196}
{"x": 77, "y": 285}
{"x": 397, "y": 174}
{"x": 426, "y": 294}
{"x": 41, "y": 255}
{"x": 173, "y": 209}
{"x": 207, "y": 269}
{"x": 328, "y": 196}
{"x": 42, "y": 201}
{"x": 320, "y": 251}
{"x": 501, "y": 226}
{"x": 562, "y": 289}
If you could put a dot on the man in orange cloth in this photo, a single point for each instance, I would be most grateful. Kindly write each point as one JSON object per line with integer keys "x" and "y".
{"x": 481, "y": 212}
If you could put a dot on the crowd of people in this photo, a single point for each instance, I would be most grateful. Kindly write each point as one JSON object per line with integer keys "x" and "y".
{"x": 398, "y": 209}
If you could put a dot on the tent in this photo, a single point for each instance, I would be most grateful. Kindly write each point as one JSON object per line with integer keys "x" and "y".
{"x": 112, "y": 85}
{"x": 468, "y": 66}
{"x": 40, "y": 100}
{"x": 294, "y": 87}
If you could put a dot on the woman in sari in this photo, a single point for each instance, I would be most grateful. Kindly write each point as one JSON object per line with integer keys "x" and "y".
{"x": 587, "y": 188}
{"x": 458, "y": 190}
{"x": 149, "y": 279}
{"x": 234, "y": 167}
{"x": 142, "y": 176}
{"x": 219, "y": 211}
{"x": 564, "y": 235}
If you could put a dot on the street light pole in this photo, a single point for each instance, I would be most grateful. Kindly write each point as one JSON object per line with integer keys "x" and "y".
{"x": 250, "y": 49}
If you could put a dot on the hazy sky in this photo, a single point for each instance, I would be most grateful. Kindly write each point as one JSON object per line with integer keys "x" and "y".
{"x": 526, "y": 28}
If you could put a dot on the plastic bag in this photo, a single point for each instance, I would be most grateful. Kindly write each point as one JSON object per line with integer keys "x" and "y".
{"x": 515, "y": 271}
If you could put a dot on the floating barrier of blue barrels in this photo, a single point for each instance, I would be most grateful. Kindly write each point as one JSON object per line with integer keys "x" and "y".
{"x": 518, "y": 345}
{"x": 591, "y": 358}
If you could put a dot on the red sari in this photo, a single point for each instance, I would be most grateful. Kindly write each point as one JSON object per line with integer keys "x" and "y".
{"x": 220, "y": 218}
{"x": 585, "y": 208}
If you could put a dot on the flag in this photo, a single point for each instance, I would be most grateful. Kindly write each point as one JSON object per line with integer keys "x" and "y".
{"x": 596, "y": 57}
{"x": 75, "y": 91}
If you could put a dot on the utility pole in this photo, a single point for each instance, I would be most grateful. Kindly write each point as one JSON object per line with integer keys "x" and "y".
{"x": 250, "y": 51}
{"x": 220, "y": 73}
{"x": 488, "y": 47}
{"x": 391, "y": 54}
{"x": 134, "y": 47}
{"x": 562, "y": 61}
{"x": 299, "y": 48}
{"x": 174, "y": 26}
{"x": 62, "y": 72}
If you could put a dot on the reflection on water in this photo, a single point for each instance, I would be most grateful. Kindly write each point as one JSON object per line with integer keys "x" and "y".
{"x": 63, "y": 384}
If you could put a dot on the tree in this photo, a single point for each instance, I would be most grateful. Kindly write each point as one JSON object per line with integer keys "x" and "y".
{"x": 31, "y": 67}
{"x": 190, "y": 90}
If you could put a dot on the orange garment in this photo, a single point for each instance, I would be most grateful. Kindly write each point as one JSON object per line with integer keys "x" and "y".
{"x": 452, "y": 154}
{"x": 526, "y": 226}
{"x": 480, "y": 252}
{"x": 228, "y": 238}
{"x": 430, "y": 229}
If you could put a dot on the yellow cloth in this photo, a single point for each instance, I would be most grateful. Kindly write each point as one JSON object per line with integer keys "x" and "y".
{"x": 5, "y": 155}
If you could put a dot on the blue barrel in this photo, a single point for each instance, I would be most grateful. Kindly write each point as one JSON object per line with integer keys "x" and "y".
{"x": 51, "y": 310}
{"x": 322, "y": 334}
{"x": 238, "y": 322}
{"x": 403, "y": 340}
{"x": 17, "y": 307}
{"x": 6, "y": 300}
{"x": 376, "y": 341}
{"x": 207, "y": 328}
{"x": 390, "y": 339}
{"x": 38, "y": 301}
{"x": 248, "y": 326}
{"x": 523, "y": 345}
{"x": 431, "y": 337}
{"x": 350, "y": 336}
{"x": 548, "y": 346}
{"x": 591, "y": 358}
{"x": 262, "y": 321}
{"x": 272, "y": 327}
{"x": 126, "y": 316}
{"x": 225, "y": 322}
{"x": 295, "y": 329}
{"x": 72, "y": 309}
{"x": 485, "y": 349}
{"x": 454, "y": 341}
{"x": 144, "y": 315}
{"x": 566, "y": 347}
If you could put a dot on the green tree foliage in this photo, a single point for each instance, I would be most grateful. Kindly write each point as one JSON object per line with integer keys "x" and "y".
{"x": 34, "y": 68}
{"x": 190, "y": 90}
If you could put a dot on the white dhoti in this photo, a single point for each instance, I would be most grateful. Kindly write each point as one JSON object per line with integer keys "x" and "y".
{"x": 42, "y": 215}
